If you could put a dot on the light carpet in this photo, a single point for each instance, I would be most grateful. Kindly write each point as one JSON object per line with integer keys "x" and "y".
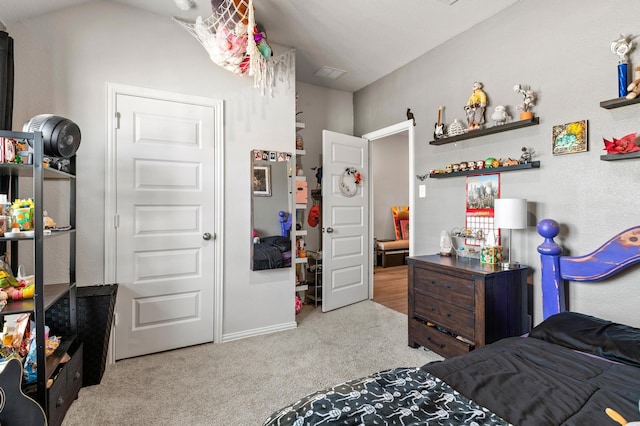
{"x": 243, "y": 382}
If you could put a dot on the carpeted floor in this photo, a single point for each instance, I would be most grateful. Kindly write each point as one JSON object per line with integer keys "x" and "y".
{"x": 242, "y": 382}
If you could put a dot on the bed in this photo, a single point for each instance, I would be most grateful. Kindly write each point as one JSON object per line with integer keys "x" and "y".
{"x": 571, "y": 369}
{"x": 271, "y": 253}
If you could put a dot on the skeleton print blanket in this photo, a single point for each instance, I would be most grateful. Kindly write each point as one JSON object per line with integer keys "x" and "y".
{"x": 402, "y": 396}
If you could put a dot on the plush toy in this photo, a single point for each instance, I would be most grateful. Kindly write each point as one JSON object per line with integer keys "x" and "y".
{"x": 634, "y": 88}
{"x": 13, "y": 288}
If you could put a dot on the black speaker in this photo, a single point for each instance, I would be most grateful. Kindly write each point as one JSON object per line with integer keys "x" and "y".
{"x": 60, "y": 136}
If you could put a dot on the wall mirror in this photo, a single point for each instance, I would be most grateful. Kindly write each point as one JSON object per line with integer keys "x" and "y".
{"x": 271, "y": 207}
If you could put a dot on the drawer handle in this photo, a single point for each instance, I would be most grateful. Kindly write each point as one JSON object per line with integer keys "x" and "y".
{"x": 449, "y": 286}
{"x": 59, "y": 402}
{"x": 433, "y": 308}
{"x": 433, "y": 281}
{"x": 448, "y": 315}
{"x": 442, "y": 345}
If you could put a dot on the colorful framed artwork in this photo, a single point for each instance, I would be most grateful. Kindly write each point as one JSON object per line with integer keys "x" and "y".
{"x": 262, "y": 181}
{"x": 570, "y": 138}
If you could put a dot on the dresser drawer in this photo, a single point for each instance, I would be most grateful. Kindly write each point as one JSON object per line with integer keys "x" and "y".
{"x": 454, "y": 318}
{"x": 437, "y": 341}
{"x": 65, "y": 388}
{"x": 449, "y": 287}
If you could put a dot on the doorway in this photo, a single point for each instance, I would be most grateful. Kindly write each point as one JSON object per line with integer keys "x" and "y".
{"x": 392, "y": 280}
{"x": 389, "y": 158}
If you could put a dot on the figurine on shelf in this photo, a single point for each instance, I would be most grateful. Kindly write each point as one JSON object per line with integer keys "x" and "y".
{"x": 527, "y": 155}
{"x": 475, "y": 107}
{"x": 456, "y": 128}
{"x": 500, "y": 115}
{"x": 527, "y": 101}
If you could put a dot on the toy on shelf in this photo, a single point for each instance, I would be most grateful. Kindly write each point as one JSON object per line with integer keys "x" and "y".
{"x": 500, "y": 115}
{"x": 475, "y": 107}
{"x": 528, "y": 99}
{"x": 633, "y": 90}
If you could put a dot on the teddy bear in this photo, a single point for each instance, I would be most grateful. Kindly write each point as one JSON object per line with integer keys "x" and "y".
{"x": 634, "y": 88}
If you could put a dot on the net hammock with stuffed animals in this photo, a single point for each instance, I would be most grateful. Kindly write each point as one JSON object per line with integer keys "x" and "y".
{"x": 231, "y": 38}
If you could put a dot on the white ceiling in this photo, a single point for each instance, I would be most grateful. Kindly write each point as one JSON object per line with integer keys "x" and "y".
{"x": 367, "y": 38}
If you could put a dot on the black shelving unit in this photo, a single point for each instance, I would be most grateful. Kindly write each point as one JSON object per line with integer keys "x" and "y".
{"x": 487, "y": 131}
{"x": 532, "y": 165}
{"x": 58, "y": 379}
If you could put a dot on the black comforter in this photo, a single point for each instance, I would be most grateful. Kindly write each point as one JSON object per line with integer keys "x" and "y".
{"x": 528, "y": 381}
{"x": 570, "y": 369}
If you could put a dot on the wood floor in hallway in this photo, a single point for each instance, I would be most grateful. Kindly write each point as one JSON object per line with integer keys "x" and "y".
{"x": 390, "y": 287}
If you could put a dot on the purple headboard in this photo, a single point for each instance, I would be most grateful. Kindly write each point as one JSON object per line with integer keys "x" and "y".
{"x": 613, "y": 256}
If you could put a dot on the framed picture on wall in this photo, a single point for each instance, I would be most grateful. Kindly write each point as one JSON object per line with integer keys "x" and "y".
{"x": 570, "y": 138}
{"x": 262, "y": 181}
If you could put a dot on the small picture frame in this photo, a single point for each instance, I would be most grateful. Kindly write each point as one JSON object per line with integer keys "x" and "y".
{"x": 570, "y": 138}
{"x": 262, "y": 181}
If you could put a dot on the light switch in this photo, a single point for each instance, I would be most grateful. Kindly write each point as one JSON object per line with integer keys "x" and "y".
{"x": 423, "y": 191}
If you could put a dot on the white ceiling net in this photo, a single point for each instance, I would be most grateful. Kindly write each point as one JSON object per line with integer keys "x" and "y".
{"x": 234, "y": 42}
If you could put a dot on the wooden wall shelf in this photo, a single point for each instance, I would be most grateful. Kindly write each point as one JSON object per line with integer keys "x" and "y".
{"x": 532, "y": 165}
{"x": 614, "y": 157}
{"x": 618, "y": 102}
{"x": 488, "y": 131}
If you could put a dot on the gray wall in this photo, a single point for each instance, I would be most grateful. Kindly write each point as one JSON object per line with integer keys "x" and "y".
{"x": 63, "y": 62}
{"x": 562, "y": 50}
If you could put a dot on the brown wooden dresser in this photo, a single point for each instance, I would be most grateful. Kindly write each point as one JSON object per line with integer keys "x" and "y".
{"x": 457, "y": 305}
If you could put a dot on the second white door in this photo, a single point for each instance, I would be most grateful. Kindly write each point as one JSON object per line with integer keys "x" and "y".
{"x": 345, "y": 215}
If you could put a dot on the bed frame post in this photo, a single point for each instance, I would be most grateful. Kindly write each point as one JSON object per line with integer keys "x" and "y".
{"x": 553, "y": 300}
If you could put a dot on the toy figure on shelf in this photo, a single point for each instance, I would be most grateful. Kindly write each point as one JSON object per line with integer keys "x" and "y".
{"x": 475, "y": 107}
{"x": 500, "y": 115}
{"x": 527, "y": 155}
{"x": 528, "y": 99}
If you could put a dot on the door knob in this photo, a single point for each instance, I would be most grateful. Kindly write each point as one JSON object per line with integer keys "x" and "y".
{"x": 206, "y": 236}
{"x": 329, "y": 230}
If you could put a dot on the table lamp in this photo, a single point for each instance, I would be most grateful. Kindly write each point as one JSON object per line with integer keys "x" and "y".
{"x": 510, "y": 213}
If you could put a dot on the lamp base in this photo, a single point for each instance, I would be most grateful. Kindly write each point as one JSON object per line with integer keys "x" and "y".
{"x": 509, "y": 265}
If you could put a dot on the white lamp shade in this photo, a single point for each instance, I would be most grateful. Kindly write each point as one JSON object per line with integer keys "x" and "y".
{"x": 510, "y": 213}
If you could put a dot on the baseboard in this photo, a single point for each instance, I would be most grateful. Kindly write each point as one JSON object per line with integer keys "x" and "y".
{"x": 258, "y": 331}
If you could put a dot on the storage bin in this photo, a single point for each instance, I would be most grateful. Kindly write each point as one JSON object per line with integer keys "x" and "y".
{"x": 95, "y": 318}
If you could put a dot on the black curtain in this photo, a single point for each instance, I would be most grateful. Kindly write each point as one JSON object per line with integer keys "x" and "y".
{"x": 6, "y": 101}
{"x": 6, "y": 81}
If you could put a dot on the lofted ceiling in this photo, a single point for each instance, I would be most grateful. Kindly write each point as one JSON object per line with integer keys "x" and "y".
{"x": 366, "y": 38}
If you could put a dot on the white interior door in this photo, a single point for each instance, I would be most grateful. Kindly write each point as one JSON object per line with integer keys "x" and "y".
{"x": 164, "y": 224}
{"x": 345, "y": 215}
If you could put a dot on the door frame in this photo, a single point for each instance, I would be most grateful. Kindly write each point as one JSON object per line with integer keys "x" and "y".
{"x": 405, "y": 126}
{"x": 110, "y": 221}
